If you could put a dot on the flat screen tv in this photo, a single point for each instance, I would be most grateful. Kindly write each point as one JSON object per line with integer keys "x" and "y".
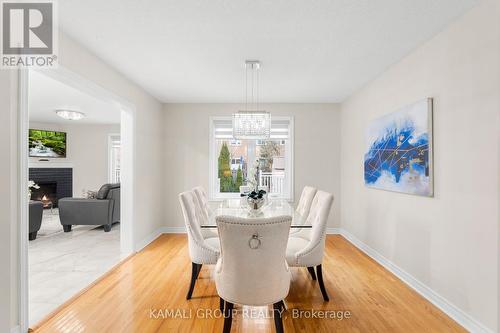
{"x": 48, "y": 144}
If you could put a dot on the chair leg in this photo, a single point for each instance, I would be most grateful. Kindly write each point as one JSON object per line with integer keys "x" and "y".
{"x": 198, "y": 270}
{"x": 107, "y": 227}
{"x": 221, "y": 304}
{"x": 321, "y": 283}
{"x": 32, "y": 235}
{"x": 278, "y": 308}
{"x": 194, "y": 274}
{"x": 311, "y": 271}
{"x": 228, "y": 317}
{"x": 67, "y": 227}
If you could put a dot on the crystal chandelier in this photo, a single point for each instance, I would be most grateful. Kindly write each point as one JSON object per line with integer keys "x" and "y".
{"x": 252, "y": 123}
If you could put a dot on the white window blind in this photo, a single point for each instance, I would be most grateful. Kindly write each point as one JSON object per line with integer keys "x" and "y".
{"x": 280, "y": 128}
{"x": 223, "y": 128}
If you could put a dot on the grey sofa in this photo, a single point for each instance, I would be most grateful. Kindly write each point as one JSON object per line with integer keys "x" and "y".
{"x": 103, "y": 210}
{"x": 35, "y": 218}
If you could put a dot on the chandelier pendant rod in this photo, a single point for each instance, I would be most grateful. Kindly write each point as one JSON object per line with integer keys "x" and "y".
{"x": 252, "y": 123}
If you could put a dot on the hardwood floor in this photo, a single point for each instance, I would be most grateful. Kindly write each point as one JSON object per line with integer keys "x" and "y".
{"x": 137, "y": 297}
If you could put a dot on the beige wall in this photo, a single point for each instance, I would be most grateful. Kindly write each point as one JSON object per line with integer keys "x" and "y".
{"x": 148, "y": 172}
{"x": 448, "y": 242}
{"x": 87, "y": 153}
{"x": 316, "y": 147}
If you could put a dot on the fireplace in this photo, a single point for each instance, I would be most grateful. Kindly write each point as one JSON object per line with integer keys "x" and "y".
{"x": 47, "y": 194}
{"x": 55, "y": 183}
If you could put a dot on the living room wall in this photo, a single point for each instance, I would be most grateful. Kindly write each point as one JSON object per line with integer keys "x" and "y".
{"x": 448, "y": 242}
{"x": 86, "y": 153}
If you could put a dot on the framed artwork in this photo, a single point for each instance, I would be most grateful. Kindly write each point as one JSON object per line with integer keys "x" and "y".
{"x": 398, "y": 153}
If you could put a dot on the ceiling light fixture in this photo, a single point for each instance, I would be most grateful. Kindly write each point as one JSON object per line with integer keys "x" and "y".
{"x": 70, "y": 114}
{"x": 252, "y": 123}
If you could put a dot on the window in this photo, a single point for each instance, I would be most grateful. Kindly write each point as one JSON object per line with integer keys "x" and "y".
{"x": 232, "y": 165}
{"x": 114, "y": 146}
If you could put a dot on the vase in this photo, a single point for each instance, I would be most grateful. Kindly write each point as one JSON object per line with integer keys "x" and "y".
{"x": 255, "y": 204}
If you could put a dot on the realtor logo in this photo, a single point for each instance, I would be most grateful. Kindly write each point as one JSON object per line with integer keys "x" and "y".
{"x": 28, "y": 34}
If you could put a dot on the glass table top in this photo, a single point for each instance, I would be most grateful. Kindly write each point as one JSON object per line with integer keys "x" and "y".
{"x": 239, "y": 208}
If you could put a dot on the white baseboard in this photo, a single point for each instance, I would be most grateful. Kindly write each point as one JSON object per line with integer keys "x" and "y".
{"x": 154, "y": 235}
{"x": 333, "y": 231}
{"x": 174, "y": 230}
{"x": 15, "y": 329}
{"x": 443, "y": 304}
{"x": 150, "y": 238}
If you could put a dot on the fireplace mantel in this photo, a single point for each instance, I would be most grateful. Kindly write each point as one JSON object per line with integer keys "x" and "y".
{"x": 49, "y": 164}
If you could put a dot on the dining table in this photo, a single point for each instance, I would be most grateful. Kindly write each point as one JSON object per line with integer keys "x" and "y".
{"x": 238, "y": 207}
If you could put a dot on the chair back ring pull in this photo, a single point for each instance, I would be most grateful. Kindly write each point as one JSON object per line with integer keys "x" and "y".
{"x": 254, "y": 242}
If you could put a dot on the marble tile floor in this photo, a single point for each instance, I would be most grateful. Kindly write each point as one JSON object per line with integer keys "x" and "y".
{"x": 61, "y": 264}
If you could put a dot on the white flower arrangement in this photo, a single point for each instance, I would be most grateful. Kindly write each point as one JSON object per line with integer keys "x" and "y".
{"x": 253, "y": 175}
{"x": 32, "y": 185}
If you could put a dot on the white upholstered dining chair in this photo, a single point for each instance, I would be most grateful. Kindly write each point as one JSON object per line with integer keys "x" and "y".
{"x": 202, "y": 196}
{"x": 252, "y": 269}
{"x": 305, "y": 201}
{"x": 201, "y": 250}
{"x": 307, "y": 249}
{"x": 205, "y": 210}
{"x": 304, "y": 205}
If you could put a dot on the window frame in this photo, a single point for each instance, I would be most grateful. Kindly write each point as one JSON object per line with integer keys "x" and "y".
{"x": 112, "y": 138}
{"x": 215, "y": 195}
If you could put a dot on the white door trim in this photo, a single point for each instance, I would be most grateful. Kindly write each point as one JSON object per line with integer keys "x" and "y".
{"x": 127, "y": 133}
{"x": 22, "y": 172}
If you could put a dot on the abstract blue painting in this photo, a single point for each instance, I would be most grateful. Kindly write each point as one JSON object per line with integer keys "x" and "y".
{"x": 399, "y": 150}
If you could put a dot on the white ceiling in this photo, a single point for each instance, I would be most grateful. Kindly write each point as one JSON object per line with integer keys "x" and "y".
{"x": 311, "y": 51}
{"x": 47, "y": 95}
